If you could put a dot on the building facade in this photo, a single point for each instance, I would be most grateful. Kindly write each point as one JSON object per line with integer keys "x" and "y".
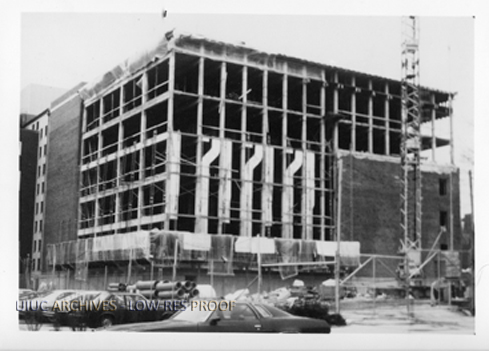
{"x": 39, "y": 124}
{"x": 199, "y": 136}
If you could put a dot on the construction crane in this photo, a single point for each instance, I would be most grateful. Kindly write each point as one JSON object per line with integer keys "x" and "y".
{"x": 410, "y": 146}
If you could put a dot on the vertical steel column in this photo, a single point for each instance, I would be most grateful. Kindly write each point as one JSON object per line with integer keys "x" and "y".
{"x": 304, "y": 163}
{"x": 353, "y": 110}
{"x": 171, "y": 100}
{"x": 200, "y": 140}
{"x": 370, "y": 118}
{"x": 338, "y": 237}
{"x": 265, "y": 230}
{"x": 143, "y": 139}
{"x": 284, "y": 136}
{"x": 322, "y": 165}
{"x": 452, "y": 161}
{"x": 386, "y": 116}
{"x": 244, "y": 141}
{"x": 222, "y": 126}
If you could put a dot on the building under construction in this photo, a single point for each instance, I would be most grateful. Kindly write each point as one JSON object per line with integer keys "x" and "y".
{"x": 173, "y": 161}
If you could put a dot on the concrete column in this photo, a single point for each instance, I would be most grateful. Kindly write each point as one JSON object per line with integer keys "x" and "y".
{"x": 322, "y": 166}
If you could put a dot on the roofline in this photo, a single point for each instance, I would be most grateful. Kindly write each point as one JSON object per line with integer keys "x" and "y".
{"x": 38, "y": 116}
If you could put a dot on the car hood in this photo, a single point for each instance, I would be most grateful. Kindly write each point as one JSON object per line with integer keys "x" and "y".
{"x": 169, "y": 325}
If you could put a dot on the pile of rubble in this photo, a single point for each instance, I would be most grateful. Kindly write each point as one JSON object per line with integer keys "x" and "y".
{"x": 299, "y": 300}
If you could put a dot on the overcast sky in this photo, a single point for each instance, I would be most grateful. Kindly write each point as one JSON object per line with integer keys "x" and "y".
{"x": 62, "y": 49}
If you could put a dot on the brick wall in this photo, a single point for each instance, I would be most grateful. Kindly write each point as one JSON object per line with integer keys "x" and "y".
{"x": 371, "y": 209}
{"x": 27, "y": 191}
{"x": 63, "y": 173}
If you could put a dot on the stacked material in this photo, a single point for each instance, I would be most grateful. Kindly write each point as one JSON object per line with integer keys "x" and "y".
{"x": 116, "y": 287}
{"x": 154, "y": 289}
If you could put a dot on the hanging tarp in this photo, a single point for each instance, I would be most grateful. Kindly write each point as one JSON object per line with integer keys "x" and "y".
{"x": 192, "y": 255}
{"x": 198, "y": 242}
{"x": 308, "y": 251}
{"x": 71, "y": 252}
{"x": 326, "y": 248}
{"x": 121, "y": 247}
{"x": 262, "y": 245}
{"x": 221, "y": 255}
{"x": 81, "y": 265}
{"x": 288, "y": 252}
{"x": 50, "y": 255}
{"x": 163, "y": 248}
{"x": 242, "y": 245}
{"x": 350, "y": 253}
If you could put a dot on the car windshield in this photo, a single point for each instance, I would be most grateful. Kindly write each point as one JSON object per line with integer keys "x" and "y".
{"x": 87, "y": 296}
{"x": 196, "y": 315}
{"x": 57, "y": 295}
{"x": 276, "y": 312}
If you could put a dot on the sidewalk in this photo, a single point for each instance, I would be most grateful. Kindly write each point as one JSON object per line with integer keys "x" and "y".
{"x": 392, "y": 317}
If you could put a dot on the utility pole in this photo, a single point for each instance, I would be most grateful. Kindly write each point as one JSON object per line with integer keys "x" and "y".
{"x": 338, "y": 238}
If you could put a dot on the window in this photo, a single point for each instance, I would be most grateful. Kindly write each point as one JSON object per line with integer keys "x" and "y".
{"x": 37, "y": 191}
{"x": 35, "y": 226}
{"x": 442, "y": 182}
{"x": 44, "y": 169}
{"x": 40, "y": 134}
{"x": 37, "y": 126}
{"x": 443, "y": 218}
{"x": 42, "y": 206}
{"x": 35, "y": 246}
{"x": 38, "y": 263}
{"x": 40, "y": 151}
{"x": 42, "y": 191}
{"x": 46, "y": 130}
{"x": 40, "y": 225}
{"x": 132, "y": 94}
{"x": 242, "y": 312}
{"x": 39, "y": 171}
{"x": 45, "y": 150}
{"x": 39, "y": 245}
{"x": 37, "y": 208}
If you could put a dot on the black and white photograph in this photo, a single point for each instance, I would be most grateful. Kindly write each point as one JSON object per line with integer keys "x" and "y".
{"x": 229, "y": 174}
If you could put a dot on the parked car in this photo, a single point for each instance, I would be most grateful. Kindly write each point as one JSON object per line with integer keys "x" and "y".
{"x": 60, "y": 316}
{"x": 25, "y": 294}
{"x": 120, "y": 307}
{"x": 38, "y": 306}
{"x": 243, "y": 318}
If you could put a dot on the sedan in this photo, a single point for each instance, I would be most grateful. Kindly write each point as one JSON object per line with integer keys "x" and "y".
{"x": 245, "y": 317}
{"x": 108, "y": 308}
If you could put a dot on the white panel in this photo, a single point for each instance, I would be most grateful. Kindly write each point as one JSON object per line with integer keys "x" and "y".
{"x": 173, "y": 175}
{"x": 225, "y": 167}
{"x": 267, "y": 194}
{"x": 308, "y": 200}
{"x": 288, "y": 195}
{"x": 247, "y": 191}
{"x": 202, "y": 187}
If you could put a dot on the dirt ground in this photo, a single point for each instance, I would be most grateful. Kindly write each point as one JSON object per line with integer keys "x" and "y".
{"x": 391, "y": 316}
